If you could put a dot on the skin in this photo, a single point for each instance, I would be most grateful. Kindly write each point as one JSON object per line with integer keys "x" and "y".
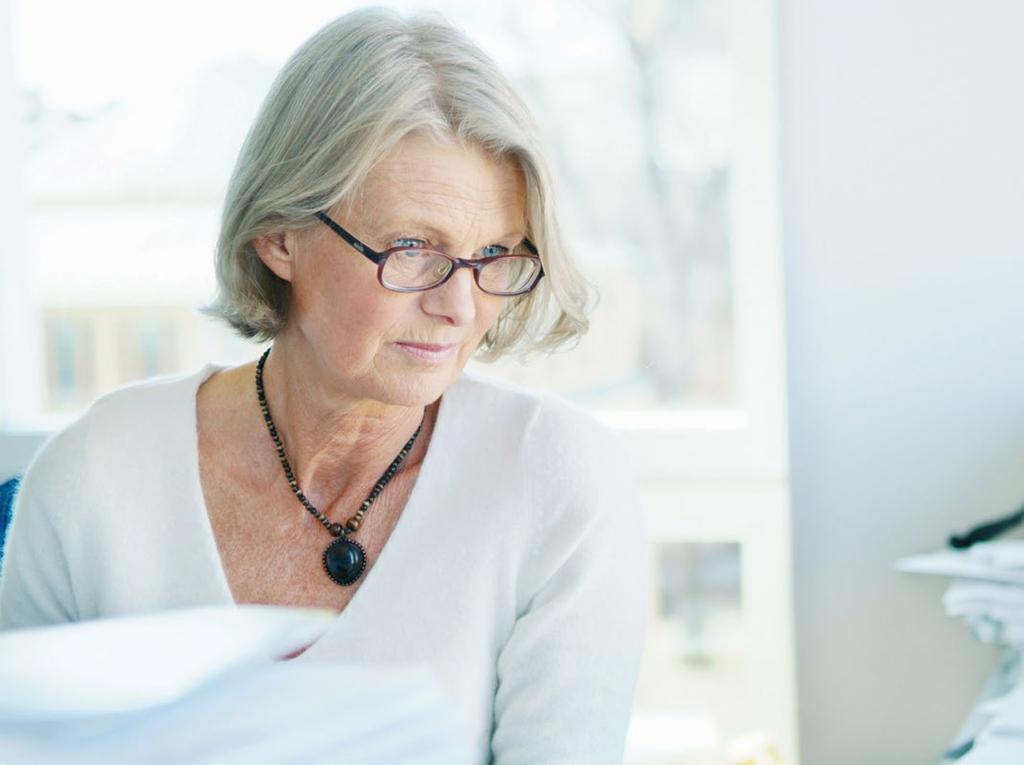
{"x": 344, "y": 397}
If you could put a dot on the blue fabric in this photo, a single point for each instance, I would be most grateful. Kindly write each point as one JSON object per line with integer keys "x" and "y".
{"x": 7, "y": 491}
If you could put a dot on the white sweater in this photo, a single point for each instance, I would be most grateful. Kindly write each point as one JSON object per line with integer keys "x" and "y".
{"x": 518, "y": 569}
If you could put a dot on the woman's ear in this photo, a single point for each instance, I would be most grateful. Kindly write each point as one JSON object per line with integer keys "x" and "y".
{"x": 274, "y": 251}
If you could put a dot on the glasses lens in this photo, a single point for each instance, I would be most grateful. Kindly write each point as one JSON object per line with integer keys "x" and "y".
{"x": 405, "y": 269}
{"x": 509, "y": 274}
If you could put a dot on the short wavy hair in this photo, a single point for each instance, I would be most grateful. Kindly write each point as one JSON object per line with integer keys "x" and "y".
{"x": 344, "y": 99}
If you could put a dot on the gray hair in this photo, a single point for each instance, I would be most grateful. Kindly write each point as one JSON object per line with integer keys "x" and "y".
{"x": 344, "y": 99}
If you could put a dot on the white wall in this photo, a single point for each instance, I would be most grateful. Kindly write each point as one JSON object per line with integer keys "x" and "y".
{"x": 903, "y": 195}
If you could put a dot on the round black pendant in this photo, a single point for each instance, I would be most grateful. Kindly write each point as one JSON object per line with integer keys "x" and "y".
{"x": 344, "y": 560}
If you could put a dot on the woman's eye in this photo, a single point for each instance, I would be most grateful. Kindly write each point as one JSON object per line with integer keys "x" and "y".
{"x": 407, "y": 243}
{"x": 492, "y": 250}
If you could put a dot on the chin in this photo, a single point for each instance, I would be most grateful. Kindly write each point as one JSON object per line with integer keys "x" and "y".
{"x": 420, "y": 387}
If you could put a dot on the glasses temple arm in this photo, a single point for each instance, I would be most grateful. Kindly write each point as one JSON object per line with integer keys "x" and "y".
{"x": 356, "y": 244}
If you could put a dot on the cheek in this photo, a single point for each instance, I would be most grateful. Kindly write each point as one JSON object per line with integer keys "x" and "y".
{"x": 487, "y": 313}
{"x": 350, "y": 311}
{"x": 368, "y": 319}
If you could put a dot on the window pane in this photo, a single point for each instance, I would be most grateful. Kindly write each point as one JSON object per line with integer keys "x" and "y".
{"x": 690, "y": 698}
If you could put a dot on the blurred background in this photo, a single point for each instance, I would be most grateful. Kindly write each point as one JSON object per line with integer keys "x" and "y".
{"x": 804, "y": 223}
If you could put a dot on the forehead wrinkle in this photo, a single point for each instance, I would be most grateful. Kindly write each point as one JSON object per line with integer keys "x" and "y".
{"x": 452, "y": 218}
{"x": 430, "y": 192}
{"x": 455, "y": 208}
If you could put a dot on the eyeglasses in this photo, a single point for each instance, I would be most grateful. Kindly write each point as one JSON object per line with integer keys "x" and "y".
{"x": 414, "y": 269}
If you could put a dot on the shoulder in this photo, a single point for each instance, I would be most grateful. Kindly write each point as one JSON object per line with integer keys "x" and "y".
{"x": 537, "y": 415}
{"x": 70, "y": 507}
{"x": 151, "y": 399}
{"x": 117, "y": 425}
{"x": 560, "y": 441}
{"x": 569, "y": 486}
{"x": 491, "y": 396}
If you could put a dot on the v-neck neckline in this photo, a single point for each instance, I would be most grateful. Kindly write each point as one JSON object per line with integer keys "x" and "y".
{"x": 408, "y": 517}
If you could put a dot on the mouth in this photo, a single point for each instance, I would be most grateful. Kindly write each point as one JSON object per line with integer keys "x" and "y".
{"x": 428, "y": 351}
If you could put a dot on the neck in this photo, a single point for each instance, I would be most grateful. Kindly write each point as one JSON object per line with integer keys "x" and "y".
{"x": 337, "y": 445}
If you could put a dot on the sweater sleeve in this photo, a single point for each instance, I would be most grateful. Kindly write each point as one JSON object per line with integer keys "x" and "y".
{"x": 567, "y": 673}
{"x": 35, "y": 583}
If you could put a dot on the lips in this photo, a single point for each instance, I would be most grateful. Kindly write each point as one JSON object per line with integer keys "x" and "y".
{"x": 431, "y": 347}
{"x": 428, "y": 352}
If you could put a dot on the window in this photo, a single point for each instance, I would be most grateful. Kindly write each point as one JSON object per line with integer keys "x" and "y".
{"x": 660, "y": 122}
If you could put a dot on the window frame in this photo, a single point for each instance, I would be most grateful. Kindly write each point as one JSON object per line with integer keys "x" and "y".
{"x": 722, "y": 475}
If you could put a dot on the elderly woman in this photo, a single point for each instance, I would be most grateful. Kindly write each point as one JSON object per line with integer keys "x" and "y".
{"x": 389, "y": 217}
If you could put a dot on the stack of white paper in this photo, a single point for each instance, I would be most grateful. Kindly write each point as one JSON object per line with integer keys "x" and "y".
{"x": 987, "y": 591}
{"x": 206, "y": 686}
{"x": 968, "y": 564}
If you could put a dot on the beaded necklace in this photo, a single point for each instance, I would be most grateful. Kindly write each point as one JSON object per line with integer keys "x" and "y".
{"x": 344, "y": 559}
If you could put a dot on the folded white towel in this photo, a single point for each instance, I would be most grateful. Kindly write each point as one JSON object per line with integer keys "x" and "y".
{"x": 993, "y": 611}
{"x": 1006, "y": 553}
{"x": 969, "y": 596}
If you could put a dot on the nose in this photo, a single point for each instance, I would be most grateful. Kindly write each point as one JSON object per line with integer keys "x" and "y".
{"x": 455, "y": 300}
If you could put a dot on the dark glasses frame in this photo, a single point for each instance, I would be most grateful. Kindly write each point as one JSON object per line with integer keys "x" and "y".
{"x": 380, "y": 258}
